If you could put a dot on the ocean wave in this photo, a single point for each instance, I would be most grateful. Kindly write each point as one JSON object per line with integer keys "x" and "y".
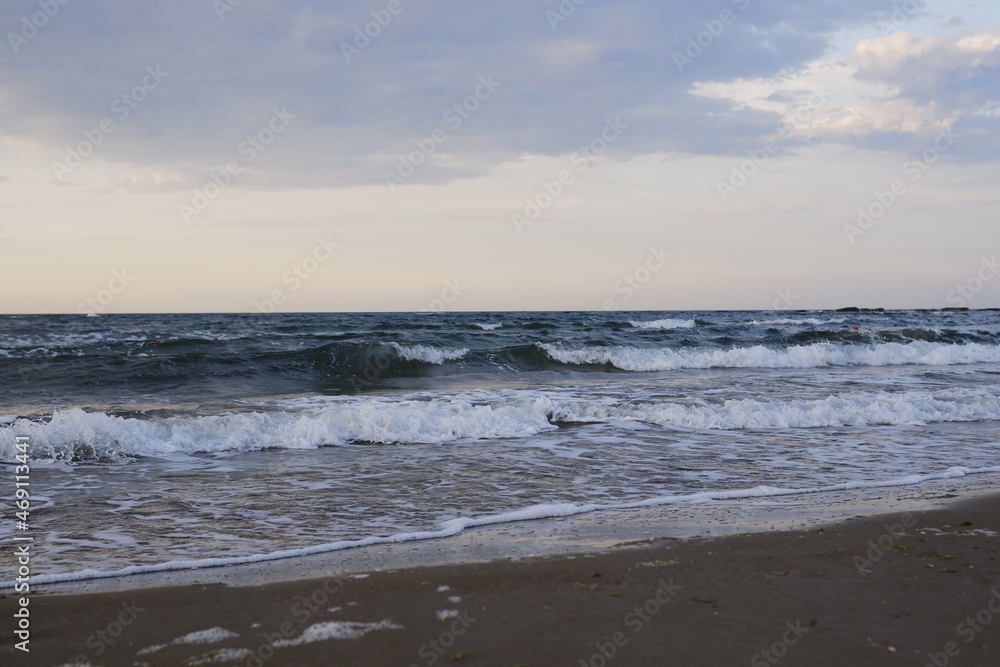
{"x": 428, "y": 353}
{"x": 488, "y": 326}
{"x": 849, "y": 409}
{"x": 75, "y": 435}
{"x": 78, "y": 436}
{"x": 817, "y": 355}
{"x": 663, "y": 324}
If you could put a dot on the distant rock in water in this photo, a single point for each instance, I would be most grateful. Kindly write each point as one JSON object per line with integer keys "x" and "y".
{"x": 855, "y": 309}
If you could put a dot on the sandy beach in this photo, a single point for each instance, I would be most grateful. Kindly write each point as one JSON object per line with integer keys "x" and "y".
{"x": 906, "y": 588}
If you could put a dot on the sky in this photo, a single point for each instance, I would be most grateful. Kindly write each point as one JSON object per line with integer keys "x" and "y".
{"x": 409, "y": 155}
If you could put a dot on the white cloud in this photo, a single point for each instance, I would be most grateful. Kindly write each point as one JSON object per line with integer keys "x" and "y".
{"x": 894, "y": 92}
{"x": 942, "y": 68}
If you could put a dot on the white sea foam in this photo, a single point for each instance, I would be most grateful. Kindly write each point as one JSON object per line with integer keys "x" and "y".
{"x": 848, "y": 409}
{"x": 489, "y": 327}
{"x": 331, "y": 421}
{"x": 209, "y": 636}
{"x": 337, "y": 630}
{"x": 663, "y": 324}
{"x": 800, "y": 356}
{"x": 75, "y": 432}
{"x": 151, "y": 649}
{"x": 428, "y": 354}
{"x": 456, "y": 526}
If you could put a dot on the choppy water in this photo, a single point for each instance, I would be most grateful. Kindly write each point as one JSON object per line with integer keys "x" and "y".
{"x": 189, "y": 437}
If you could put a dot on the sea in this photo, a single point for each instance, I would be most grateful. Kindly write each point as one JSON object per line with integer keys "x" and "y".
{"x": 179, "y": 442}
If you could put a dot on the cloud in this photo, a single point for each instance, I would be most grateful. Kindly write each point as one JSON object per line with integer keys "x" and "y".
{"x": 895, "y": 92}
{"x": 939, "y": 81}
{"x": 362, "y": 101}
{"x": 924, "y": 67}
{"x": 931, "y": 82}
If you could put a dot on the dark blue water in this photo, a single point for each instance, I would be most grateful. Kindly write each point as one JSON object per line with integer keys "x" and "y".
{"x": 115, "y": 359}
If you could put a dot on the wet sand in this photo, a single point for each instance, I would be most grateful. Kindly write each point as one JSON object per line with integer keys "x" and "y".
{"x": 906, "y": 588}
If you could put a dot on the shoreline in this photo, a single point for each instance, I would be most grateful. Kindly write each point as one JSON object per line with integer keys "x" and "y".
{"x": 585, "y": 533}
{"x": 892, "y": 588}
